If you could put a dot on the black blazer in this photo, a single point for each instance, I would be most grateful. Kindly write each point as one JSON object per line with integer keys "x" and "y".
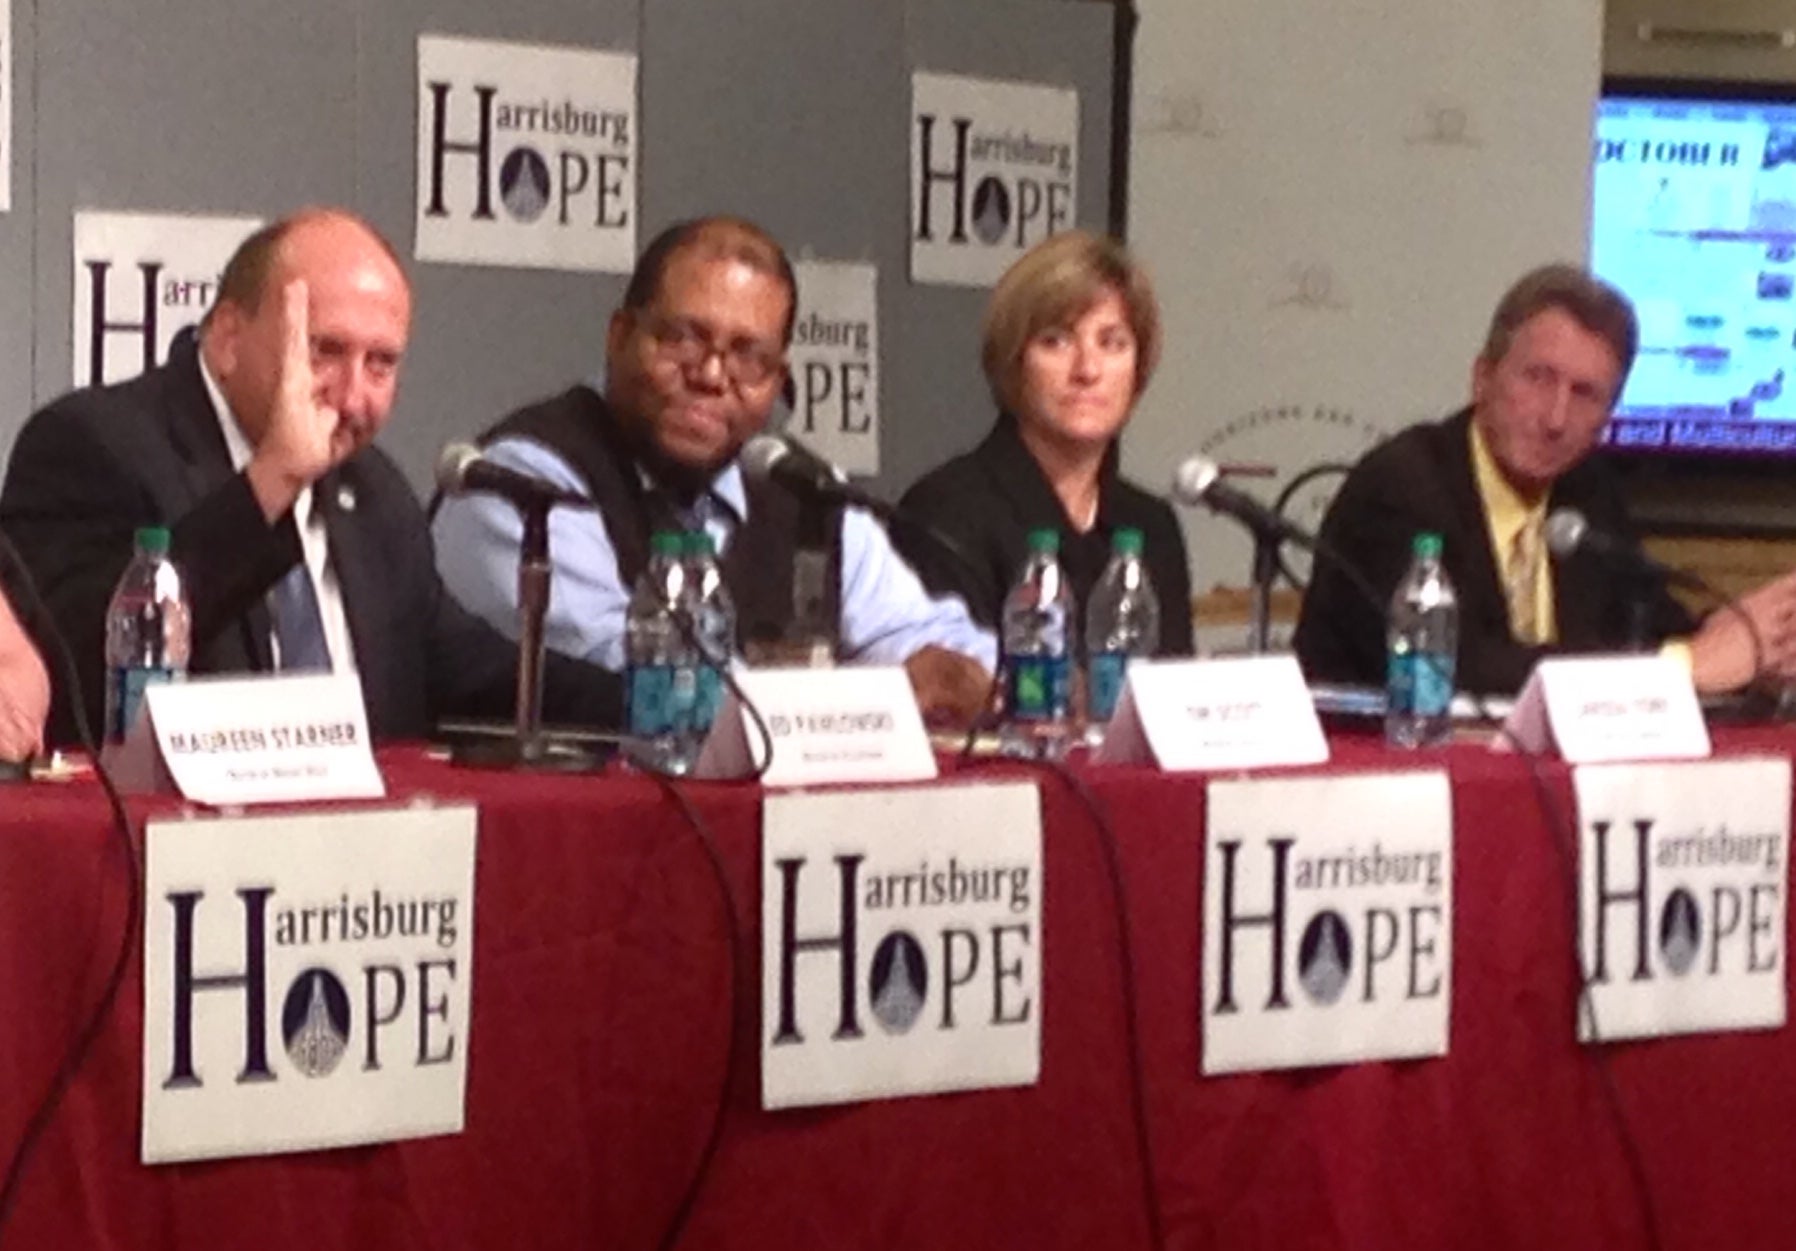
{"x": 988, "y": 500}
{"x": 1421, "y": 479}
{"x": 96, "y": 464}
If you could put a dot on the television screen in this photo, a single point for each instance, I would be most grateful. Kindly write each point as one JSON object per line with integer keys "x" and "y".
{"x": 1693, "y": 215}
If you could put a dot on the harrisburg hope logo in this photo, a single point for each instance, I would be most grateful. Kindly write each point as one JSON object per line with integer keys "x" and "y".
{"x": 328, "y": 1011}
{"x": 560, "y": 155}
{"x": 1028, "y": 197}
{"x": 1342, "y": 951}
{"x": 1648, "y": 916}
{"x": 899, "y": 981}
{"x": 185, "y": 298}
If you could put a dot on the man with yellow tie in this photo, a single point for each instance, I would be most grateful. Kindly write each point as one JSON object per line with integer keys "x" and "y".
{"x": 1554, "y": 359}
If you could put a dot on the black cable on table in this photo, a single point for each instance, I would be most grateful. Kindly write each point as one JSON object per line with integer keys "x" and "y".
{"x": 726, "y": 1086}
{"x": 82, "y": 1044}
{"x": 1563, "y": 834}
{"x": 1107, "y": 841}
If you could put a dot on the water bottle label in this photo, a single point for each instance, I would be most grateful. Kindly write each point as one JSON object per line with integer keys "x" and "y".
{"x": 1419, "y": 684}
{"x": 1105, "y": 683}
{"x": 649, "y": 690}
{"x": 1431, "y": 684}
{"x": 128, "y": 683}
{"x": 1039, "y": 688}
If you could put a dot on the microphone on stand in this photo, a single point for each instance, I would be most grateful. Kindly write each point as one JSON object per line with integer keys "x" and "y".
{"x": 787, "y": 463}
{"x": 1568, "y": 531}
{"x": 790, "y": 464}
{"x": 1198, "y": 480}
{"x": 462, "y": 468}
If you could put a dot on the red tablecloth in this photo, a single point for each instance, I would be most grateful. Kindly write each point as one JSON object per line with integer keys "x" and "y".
{"x": 601, "y": 1023}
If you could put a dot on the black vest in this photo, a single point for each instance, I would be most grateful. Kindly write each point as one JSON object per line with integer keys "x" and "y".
{"x": 756, "y": 564}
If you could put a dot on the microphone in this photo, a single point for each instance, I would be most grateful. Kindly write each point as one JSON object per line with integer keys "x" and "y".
{"x": 463, "y": 467}
{"x": 1199, "y": 481}
{"x": 1569, "y": 531}
{"x": 790, "y": 464}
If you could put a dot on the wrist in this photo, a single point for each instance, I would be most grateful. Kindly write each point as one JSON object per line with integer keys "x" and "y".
{"x": 274, "y": 485}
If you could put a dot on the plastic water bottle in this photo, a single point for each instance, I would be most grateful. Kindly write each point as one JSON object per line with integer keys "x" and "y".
{"x": 659, "y": 680}
{"x": 713, "y": 617}
{"x": 1038, "y": 629}
{"x": 148, "y": 631}
{"x": 1423, "y": 641}
{"x": 1122, "y": 620}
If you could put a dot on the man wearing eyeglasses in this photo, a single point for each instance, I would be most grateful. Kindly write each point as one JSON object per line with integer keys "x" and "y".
{"x": 695, "y": 360}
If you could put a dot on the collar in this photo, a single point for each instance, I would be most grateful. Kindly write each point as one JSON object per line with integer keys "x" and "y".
{"x": 236, "y": 445}
{"x": 1506, "y": 511}
{"x": 1018, "y": 472}
{"x": 727, "y": 492}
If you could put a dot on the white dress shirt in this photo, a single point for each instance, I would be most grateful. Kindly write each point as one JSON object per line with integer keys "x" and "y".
{"x": 312, "y": 539}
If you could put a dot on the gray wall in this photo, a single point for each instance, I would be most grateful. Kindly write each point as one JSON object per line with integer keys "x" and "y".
{"x": 793, "y": 112}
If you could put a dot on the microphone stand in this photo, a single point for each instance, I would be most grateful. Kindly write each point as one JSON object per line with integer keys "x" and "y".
{"x": 1266, "y": 545}
{"x": 529, "y": 747}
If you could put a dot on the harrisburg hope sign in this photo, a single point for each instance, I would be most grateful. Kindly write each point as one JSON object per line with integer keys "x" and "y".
{"x": 901, "y": 936}
{"x": 307, "y": 980}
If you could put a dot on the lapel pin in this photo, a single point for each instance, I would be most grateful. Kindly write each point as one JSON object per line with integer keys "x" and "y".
{"x": 346, "y": 499}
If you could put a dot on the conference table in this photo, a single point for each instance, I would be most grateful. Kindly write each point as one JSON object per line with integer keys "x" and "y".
{"x": 605, "y": 1024}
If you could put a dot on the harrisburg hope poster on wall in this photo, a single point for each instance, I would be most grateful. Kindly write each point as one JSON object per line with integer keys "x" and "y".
{"x": 526, "y": 155}
{"x": 834, "y": 387}
{"x": 994, "y": 170}
{"x": 140, "y": 279}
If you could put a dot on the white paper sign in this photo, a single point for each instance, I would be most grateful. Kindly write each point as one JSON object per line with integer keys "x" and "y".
{"x": 835, "y": 363}
{"x": 1602, "y": 708}
{"x": 994, "y": 170}
{"x": 307, "y": 980}
{"x": 141, "y": 278}
{"x": 1241, "y": 712}
{"x": 858, "y": 723}
{"x": 265, "y": 739}
{"x": 901, "y": 942}
{"x": 1682, "y": 871}
{"x": 1328, "y": 920}
{"x": 526, "y": 155}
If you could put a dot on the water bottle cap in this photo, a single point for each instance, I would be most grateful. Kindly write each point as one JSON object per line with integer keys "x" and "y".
{"x": 1126, "y": 541}
{"x": 700, "y": 543}
{"x": 667, "y": 543}
{"x": 1044, "y": 542}
{"x": 152, "y": 539}
{"x": 1427, "y": 545}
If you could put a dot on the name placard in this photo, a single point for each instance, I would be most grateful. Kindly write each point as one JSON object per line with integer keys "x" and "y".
{"x": 308, "y": 980}
{"x": 854, "y": 724}
{"x": 1682, "y": 872}
{"x": 1328, "y": 920}
{"x": 1603, "y": 708}
{"x": 901, "y": 935}
{"x": 263, "y": 739}
{"x": 1241, "y": 712}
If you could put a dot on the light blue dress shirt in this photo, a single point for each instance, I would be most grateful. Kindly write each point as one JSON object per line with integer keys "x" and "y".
{"x": 886, "y": 612}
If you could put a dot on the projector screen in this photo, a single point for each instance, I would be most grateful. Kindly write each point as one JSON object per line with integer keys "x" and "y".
{"x": 1693, "y": 215}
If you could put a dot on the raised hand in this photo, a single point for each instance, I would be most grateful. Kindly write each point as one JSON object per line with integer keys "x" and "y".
{"x": 301, "y": 441}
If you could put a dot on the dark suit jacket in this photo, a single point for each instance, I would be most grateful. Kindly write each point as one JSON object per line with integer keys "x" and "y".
{"x": 1421, "y": 479}
{"x": 988, "y": 500}
{"x": 96, "y": 464}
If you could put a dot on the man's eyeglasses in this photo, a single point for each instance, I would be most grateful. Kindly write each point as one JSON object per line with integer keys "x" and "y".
{"x": 746, "y": 364}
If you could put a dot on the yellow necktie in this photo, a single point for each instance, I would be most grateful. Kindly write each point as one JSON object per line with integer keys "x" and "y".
{"x": 1522, "y": 581}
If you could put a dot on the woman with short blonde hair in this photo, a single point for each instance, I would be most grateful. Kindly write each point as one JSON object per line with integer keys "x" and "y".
{"x": 1071, "y": 337}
